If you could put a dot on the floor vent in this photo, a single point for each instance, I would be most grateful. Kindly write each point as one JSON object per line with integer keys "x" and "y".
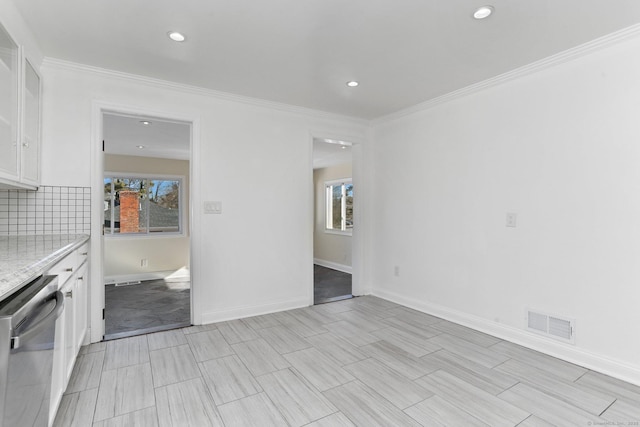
{"x": 557, "y": 327}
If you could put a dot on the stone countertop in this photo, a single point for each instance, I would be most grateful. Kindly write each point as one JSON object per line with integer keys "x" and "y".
{"x": 23, "y": 258}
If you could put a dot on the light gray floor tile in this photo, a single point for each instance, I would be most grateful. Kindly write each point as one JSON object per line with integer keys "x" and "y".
{"x": 124, "y": 390}
{"x": 318, "y": 369}
{"x": 334, "y": 420}
{"x": 475, "y": 353}
{"x": 228, "y": 379}
{"x": 93, "y": 348}
{"x": 172, "y": 365}
{"x": 301, "y": 328}
{"x": 623, "y": 413}
{"x": 376, "y": 303}
{"x": 468, "y": 334}
{"x": 316, "y": 317}
{"x": 283, "y": 340}
{"x": 421, "y": 330}
{"x": 340, "y": 350}
{"x": 259, "y": 357}
{"x": 591, "y": 401}
{"x": 477, "y": 402}
{"x": 76, "y": 410}
{"x": 86, "y": 372}
{"x": 260, "y": 322}
{"x": 413, "y": 316}
{"x": 256, "y": 410}
{"x": 597, "y": 381}
{"x": 166, "y": 339}
{"x": 126, "y": 352}
{"x": 310, "y": 320}
{"x": 142, "y": 418}
{"x": 399, "y": 360}
{"x": 560, "y": 368}
{"x": 489, "y": 380}
{"x": 296, "y": 400}
{"x": 208, "y": 345}
{"x": 548, "y": 408}
{"x": 411, "y": 343}
{"x": 199, "y": 328}
{"x": 366, "y": 408}
{"x": 435, "y": 411}
{"x": 394, "y": 387}
{"x": 333, "y": 308}
{"x": 534, "y": 421}
{"x": 236, "y": 331}
{"x": 352, "y": 333}
{"x": 361, "y": 321}
{"x": 186, "y": 404}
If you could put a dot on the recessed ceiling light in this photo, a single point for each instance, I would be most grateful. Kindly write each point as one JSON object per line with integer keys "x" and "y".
{"x": 176, "y": 36}
{"x": 483, "y": 12}
{"x": 145, "y": 122}
{"x": 140, "y": 146}
{"x": 352, "y": 83}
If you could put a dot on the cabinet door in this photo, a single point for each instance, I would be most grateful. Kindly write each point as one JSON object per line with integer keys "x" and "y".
{"x": 9, "y": 106}
{"x": 30, "y": 149}
{"x": 81, "y": 306}
{"x": 69, "y": 326}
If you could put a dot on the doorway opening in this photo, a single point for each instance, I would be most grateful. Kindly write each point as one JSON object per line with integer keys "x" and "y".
{"x": 146, "y": 259}
{"x": 333, "y": 220}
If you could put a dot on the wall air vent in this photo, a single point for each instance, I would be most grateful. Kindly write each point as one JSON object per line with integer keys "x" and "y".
{"x": 553, "y": 326}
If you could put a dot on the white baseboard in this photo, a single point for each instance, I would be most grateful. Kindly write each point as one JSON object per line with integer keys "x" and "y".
{"x": 594, "y": 361}
{"x": 152, "y": 275}
{"x": 253, "y": 310}
{"x": 333, "y": 265}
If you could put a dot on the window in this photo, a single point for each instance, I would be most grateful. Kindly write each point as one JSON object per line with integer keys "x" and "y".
{"x": 339, "y": 206}
{"x": 142, "y": 205}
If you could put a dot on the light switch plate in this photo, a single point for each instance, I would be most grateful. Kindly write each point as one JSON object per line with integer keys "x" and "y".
{"x": 214, "y": 207}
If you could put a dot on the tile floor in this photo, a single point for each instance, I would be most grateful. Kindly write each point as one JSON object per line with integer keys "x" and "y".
{"x": 330, "y": 285}
{"x": 363, "y": 362}
{"x": 149, "y": 306}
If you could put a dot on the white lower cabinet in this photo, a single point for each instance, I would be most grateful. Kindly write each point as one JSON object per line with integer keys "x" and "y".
{"x": 71, "y": 327}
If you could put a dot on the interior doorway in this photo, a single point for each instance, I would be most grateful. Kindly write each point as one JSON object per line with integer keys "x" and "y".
{"x": 146, "y": 259}
{"x": 333, "y": 220}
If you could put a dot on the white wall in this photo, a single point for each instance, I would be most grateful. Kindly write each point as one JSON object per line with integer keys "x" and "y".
{"x": 123, "y": 254}
{"x": 561, "y": 148}
{"x": 254, "y": 257}
{"x": 330, "y": 250}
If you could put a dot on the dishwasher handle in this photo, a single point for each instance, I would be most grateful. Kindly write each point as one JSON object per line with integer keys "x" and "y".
{"x": 42, "y": 324}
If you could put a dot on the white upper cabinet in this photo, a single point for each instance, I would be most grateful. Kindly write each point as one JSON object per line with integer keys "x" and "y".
{"x": 20, "y": 111}
{"x": 9, "y": 106}
{"x": 30, "y": 150}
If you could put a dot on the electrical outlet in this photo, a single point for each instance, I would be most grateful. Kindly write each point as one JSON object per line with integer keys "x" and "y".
{"x": 511, "y": 219}
{"x": 396, "y": 271}
{"x": 144, "y": 262}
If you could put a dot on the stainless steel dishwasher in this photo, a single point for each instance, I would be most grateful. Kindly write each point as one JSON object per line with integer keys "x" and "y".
{"x": 27, "y": 334}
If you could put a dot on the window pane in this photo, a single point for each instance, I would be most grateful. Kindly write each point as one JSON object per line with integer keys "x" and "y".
{"x": 164, "y": 206}
{"x": 336, "y": 196}
{"x": 349, "y": 206}
{"x": 107, "y": 205}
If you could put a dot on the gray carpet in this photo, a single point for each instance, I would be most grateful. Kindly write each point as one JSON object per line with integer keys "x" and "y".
{"x": 330, "y": 285}
{"x": 150, "y": 306}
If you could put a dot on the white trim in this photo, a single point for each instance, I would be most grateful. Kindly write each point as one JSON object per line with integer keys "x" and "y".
{"x": 241, "y": 312}
{"x": 152, "y": 275}
{"x": 61, "y": 64}
{"x": 333, "y": 265}
{"x": 570, "y": 353}
{"x": 534, "y": 67}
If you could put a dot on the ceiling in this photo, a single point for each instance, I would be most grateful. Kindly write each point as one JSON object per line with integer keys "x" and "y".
{"x": 302, "y": 52}
{"x": 160, "y": 138}
{"x": 330, "y": 152}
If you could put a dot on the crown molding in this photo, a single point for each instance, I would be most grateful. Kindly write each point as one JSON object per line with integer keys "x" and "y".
{"x": 548, "y": 62}
{"x": 62, "y": 64}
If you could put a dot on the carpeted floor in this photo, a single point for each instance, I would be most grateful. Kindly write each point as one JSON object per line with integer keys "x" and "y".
{"x": 150, "y": 306}
{"x": 330, "y": 285}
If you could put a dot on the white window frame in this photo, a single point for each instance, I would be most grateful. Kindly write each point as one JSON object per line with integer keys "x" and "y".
{"x": 328, "y": 207}
{"x": 148, "y": 234}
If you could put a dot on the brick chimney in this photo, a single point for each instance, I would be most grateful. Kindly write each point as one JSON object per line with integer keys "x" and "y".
{"x": 129, "y": 212}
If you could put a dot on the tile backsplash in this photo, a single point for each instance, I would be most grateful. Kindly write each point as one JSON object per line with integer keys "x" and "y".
{"x": 50, "y": 210}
